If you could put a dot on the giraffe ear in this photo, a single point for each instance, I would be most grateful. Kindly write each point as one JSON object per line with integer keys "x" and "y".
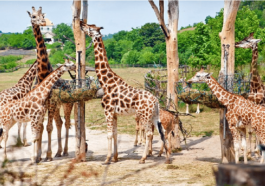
{"x": 29, "y": 14}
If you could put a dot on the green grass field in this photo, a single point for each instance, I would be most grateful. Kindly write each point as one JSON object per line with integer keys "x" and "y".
{"x": 204, "y": 124}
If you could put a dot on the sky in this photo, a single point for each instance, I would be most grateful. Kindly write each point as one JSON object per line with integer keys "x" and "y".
{"x": 114, "y": 16}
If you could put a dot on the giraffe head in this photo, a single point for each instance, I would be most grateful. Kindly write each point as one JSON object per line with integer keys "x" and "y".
{"x": 91, "y": 30}
{"x": 200, "y": 76}
{"x": 37, "y": 17}
{"x": 248, "y": 42}
{"x": 68, "y": 65}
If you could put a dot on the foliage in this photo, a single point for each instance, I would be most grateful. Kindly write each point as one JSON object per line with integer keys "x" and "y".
{"x": 25, "y": 40}
{"x": 8, "y": 62}
{"x": 30, "y": 61}
{"x": 63, "y": 29}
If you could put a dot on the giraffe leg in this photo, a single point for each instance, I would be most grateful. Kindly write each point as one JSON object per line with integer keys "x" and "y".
{"x": 244, "y": 144}
{"x": 25, "y": 143}
{"x": 137, "y": 128}
{"x": 187, "y": 108}
{"x": 59, "y": 124}
{"x": 35, "y": 138}
{"x": 161, "y": 149}
{"x": 143, "y": 138}
{"x": 49, "y": 128}
{"x": 148, "y": 139}
{"x": 150, "y": 152}
{"x": 236, "y": 139}
{"x": 19, "y": 142}
{"x": 115, "y": 133}
{"x": 67, "y": 115}
{"x": 257, "y": 151}
{"x": 249, "y": 151}
{"x": 262, "y": 157}
{"x": 39, "y": 142}
{"x": 198, "y": 109}
{"x": 109, "y": 118}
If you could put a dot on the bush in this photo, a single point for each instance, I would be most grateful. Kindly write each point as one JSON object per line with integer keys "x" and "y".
{"x": 30, "y": 61}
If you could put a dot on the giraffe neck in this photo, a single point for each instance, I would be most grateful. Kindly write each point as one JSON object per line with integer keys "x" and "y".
{"x": 255, "y": 83}
{"x": 104, "y": 73}
{"x": 44, "y": 88}
{"x": 44, "y": 66}
{"x": 222, "y": 95}
{"x": 27, "y": 80}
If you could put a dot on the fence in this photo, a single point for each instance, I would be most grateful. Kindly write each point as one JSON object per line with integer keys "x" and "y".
{"x": 17, "y": 52}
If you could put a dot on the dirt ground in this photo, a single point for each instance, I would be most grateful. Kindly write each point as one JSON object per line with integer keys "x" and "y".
{"x": 189, "y": 167}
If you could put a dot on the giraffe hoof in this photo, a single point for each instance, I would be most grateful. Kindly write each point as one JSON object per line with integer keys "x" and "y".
{"x": 139, "y": 144}
{"x": 106, "y": 163}
{"x": 159, "y": 155}
{"x": 65, "y": 154}
{"x": 142, "y": 161}
{"x": 0, "y": 146}
{"x": 47, "y": 159}
{"x": 114, "y": 160}
{"x": 168, "y": 161}
{"x": 58, "y": 154}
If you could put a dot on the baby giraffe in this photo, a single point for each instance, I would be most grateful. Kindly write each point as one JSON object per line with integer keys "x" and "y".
{"x": 31, "y": 108}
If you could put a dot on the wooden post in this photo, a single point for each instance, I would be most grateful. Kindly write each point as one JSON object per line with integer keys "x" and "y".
{"x": 239, "y": 174}
{"x": 80, "y": 41}
{"x": 170, "y": 33}
{"x": 227, "y": 36}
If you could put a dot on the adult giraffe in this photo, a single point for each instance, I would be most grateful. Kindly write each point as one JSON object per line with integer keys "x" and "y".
{"x": 257, "y": 89}
{"x": 122, "y": 99}
{"x": 44, "y": 69}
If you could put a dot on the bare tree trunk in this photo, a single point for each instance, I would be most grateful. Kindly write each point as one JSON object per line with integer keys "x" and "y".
{"x": 172, "y": 49}
{"x": 170, "y": 33}
{"x": 227, "y": 36}
{"x": 80, "y": 41}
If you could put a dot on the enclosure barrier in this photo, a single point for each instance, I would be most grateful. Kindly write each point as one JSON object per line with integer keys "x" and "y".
{"x": 69, "y": 91}
{"x": 193, "y": 93}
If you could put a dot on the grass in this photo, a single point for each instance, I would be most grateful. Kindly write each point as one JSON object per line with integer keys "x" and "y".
{"x": 204, "y": 124}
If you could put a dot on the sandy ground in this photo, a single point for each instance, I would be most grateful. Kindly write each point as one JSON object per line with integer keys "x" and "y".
{"x": 189, "y": 167}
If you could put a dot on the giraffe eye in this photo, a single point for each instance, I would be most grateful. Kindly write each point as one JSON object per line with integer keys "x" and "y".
{"x": 34, "y": 17}
{"x": 197, "y": 76}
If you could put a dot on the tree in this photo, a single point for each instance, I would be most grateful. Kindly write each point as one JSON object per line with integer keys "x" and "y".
{"x": 61, "y": 30}
{"x": 170, "y": 34}
{"x": 227, "y": 37}
{"x": 207, "y": 19}
{"x": 151, "y": 34}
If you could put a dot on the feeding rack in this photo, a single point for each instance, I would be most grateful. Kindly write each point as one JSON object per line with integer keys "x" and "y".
{"x": 193, "y": 93}
{"x": 75, "y": 90}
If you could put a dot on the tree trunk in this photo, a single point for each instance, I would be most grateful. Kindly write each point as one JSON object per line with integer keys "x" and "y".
{"x": 227, "y": 36}
{"x": 171, "y": 43}
{"x": 80, "y": 41}
{"x": 240, "y": 175}
{"x": 172, "y": 49}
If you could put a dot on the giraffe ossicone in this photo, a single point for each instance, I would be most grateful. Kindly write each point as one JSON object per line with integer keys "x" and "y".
{"x": 122, "y": 99}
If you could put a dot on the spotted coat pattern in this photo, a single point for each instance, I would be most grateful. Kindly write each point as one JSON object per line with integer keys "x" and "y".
{"x": 44, "y": 69}
{"x": 119, "y": 97}
{"x": 31, "y": 108}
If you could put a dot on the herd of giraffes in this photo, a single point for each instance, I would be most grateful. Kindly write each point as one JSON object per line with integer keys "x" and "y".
{"x": 23, "y": 104}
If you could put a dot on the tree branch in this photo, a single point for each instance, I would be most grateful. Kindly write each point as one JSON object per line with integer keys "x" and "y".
{"x": 69, "y": 39}
{"x": 70, "y": 57}
{"x": 158, "y": 15}
{"x": 89, "y": 44}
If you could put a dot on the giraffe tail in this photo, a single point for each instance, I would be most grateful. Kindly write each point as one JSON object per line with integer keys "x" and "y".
{"x": 1, "y": 131}
{"x": 158, "y": 123}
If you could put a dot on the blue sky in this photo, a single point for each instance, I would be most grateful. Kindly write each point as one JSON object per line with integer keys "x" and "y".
{"x": 112, "y": 15}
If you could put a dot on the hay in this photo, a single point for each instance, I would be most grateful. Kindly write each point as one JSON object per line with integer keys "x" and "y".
{"x": 204, "y": 97}
{"x": 73, "y": 96}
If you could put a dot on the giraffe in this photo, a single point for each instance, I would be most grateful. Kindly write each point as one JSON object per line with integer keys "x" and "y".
{"x": 169, "y": 122}
{"x": 18, "y": 91}
{"x": 257, "y": 90}
{"x": 122, "y": 99}
{"x": 187, "y": 88}
{"x": 44, "y": 69}
{"x": 31, "y": 108}
{"x": 239, "y": 112}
